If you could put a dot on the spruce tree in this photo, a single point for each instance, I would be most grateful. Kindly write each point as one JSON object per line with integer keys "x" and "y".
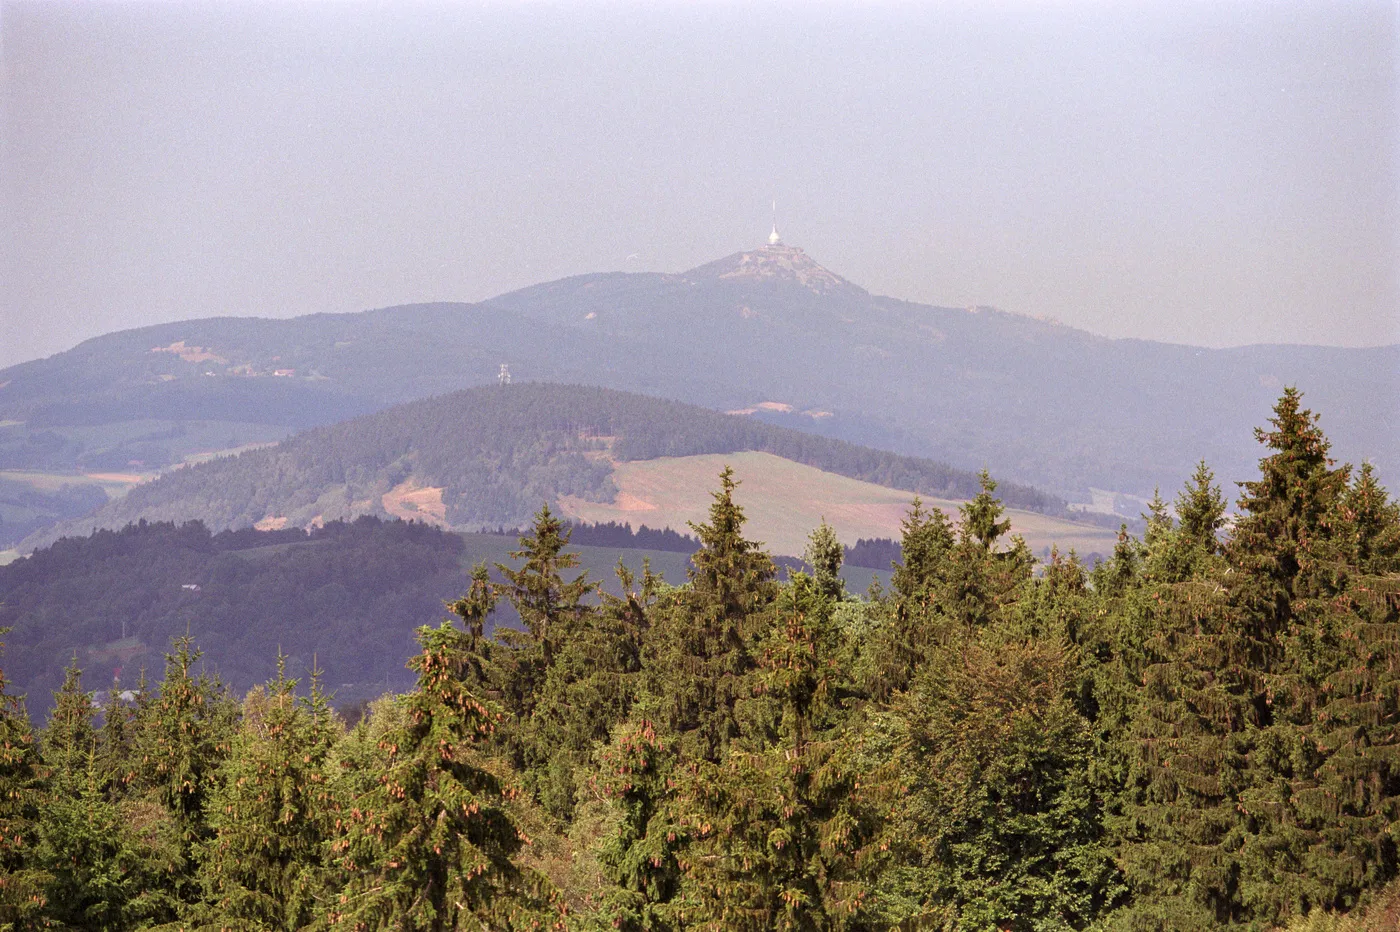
{"x": 1274, "y": 544}
{"x": 925, "y": 544}
{"x": 181, "y": 736}
{"x": 783, "y": 836}
{"x": 427, "y": 845}
{"x": 22, "y": 883}
{"x": 639, "y": 853}
{"x": 1328, "y": 789}
{"x": 913, "y": 615}
{"x": 69, "y": 740}
{"x": 1200, "y": 510}
{"x": 981, "y": 579}
{"x": 1366, "y": 526}
{"x": 824, "y": 554}
{"x": 550, "y": 607}
{"x": 270, "y": 811}
{"x": 699, "y": 652}
{"x": 587, "y": 692}
{"x": 102, "y": 876}
{"x": 999, "y": 826}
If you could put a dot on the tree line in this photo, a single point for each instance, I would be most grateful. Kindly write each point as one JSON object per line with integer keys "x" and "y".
{"x": 1198, "y": 733}
{"x": 497, "y": 452}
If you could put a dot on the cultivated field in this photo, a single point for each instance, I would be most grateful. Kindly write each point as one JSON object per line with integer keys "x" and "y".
{"x": 785, "y": 500}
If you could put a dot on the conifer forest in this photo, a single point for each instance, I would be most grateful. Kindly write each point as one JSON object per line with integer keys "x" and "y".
{"x": 1200, "y": 732}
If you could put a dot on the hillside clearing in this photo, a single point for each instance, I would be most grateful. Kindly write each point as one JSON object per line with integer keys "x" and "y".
{"x": 785, "y": 500}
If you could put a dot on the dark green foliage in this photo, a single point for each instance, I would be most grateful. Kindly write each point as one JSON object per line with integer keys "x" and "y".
{"x": 347, "y": 594}
{"x": 635, "y": 772}
{"x": 1202, "y": 733}
{"x": 699, "y": 651}
{"x": 270, "y": 814}
{"x": 981, "y": 579}
{"x": 182, "y": 735}
{"x": 1000, "y": 827}
{"x": 784, "y": 833}
{"x": 925, "y": 547}
{"x": 68, "y": 742}
{"x": 551, "y": 611}
{"x": 824, "y": 554}
{"x": 427, "y": 843}
{"x": 1276, "y": 542}
{"x": 21, "y": 882}
{"x": 1200, "y": 510}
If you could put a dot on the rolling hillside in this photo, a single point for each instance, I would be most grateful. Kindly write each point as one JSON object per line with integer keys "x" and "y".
{"x": 784, "y": 500}
{"x": 346, "y": 597}
{"x": 489, "y": 457}
{"x": 768, "y": 331}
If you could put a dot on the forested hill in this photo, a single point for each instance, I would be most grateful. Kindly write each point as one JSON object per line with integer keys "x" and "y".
{"x": 1198, "y": 735}
{"x": 767, "y": 329}
{"x": 347, "y": 596}
{"x": 488, "y": 457}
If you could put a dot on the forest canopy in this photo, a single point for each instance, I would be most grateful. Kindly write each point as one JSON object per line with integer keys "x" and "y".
{"x": 1201, "y": 732}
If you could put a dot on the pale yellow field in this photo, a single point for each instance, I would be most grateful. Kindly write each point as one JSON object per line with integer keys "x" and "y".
{"x": 785, "y": 500}
{"x": 114, "y": 484}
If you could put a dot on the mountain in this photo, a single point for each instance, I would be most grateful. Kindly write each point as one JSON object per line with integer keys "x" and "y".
{"x": 489, "y": 457}
{"x": 768, "y": 331}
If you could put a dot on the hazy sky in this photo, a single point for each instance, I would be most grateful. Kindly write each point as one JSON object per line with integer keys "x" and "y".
{"x": 1203, "y": 173}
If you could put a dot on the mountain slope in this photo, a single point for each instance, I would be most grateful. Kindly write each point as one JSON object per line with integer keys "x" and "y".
{"x": 488, "y": 457}
{"x": 1033, "y": 400}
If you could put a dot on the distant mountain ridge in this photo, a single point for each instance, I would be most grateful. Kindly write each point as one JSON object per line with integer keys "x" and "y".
{"x": 489, "y": 457}
{"x": 1035, "y": 401}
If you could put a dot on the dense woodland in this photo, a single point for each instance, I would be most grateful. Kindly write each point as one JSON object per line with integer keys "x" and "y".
{"x": 347, "y": 596}
{"x": 1199, "y": 733}
{"x": 497, "y": 452}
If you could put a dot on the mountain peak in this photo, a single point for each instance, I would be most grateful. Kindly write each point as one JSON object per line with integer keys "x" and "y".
{"x": 775, "y": 262}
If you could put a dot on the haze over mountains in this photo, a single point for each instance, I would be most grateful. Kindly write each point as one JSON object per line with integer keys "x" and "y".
{"x": 768, "y": 331}
{"x": 489, "y": 457}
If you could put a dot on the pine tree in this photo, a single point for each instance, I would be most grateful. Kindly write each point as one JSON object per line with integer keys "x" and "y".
{"x": 181, "y": 736}
{"x": 1328, "y": 790}
{"x": 1230, "y": 671}
{"x": 1184, "y": 748}
{"x": 550, "y": 608}
{"x": 925, "y": 545}
{"x": 913, "y": 616}
{"x": 699, "y": 652}
{"x": 824, "y": 554}
{"x": 101, "y": 876}
{"x": 1366, "y": 526}
{"x": 22, "y": 883}
{"x": 427, "y": 846}
{"x": 270, "y": 811}
{"x": 1274, "y": 544}
{"x": 114, "y": 743}
{"x": 783, "y": 837}
{"x": 1200, "y": 509}
{"x": 587, "y": 692}
{"x": 635, "y": 772}
{"x": 981, "y": 579}
{"x": 1000, "y": 826}
{"x": 69, "y": 740}
{"x": 982, "y": 521}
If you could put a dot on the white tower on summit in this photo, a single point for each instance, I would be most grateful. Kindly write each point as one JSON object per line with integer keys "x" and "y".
{"x": 773, "y": 238}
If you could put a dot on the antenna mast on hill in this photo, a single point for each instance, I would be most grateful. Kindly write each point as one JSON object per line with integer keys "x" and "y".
{"x": 504, "y": 375}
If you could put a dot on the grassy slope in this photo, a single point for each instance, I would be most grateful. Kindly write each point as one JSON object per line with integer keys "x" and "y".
{"x": 785, "y": 500}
